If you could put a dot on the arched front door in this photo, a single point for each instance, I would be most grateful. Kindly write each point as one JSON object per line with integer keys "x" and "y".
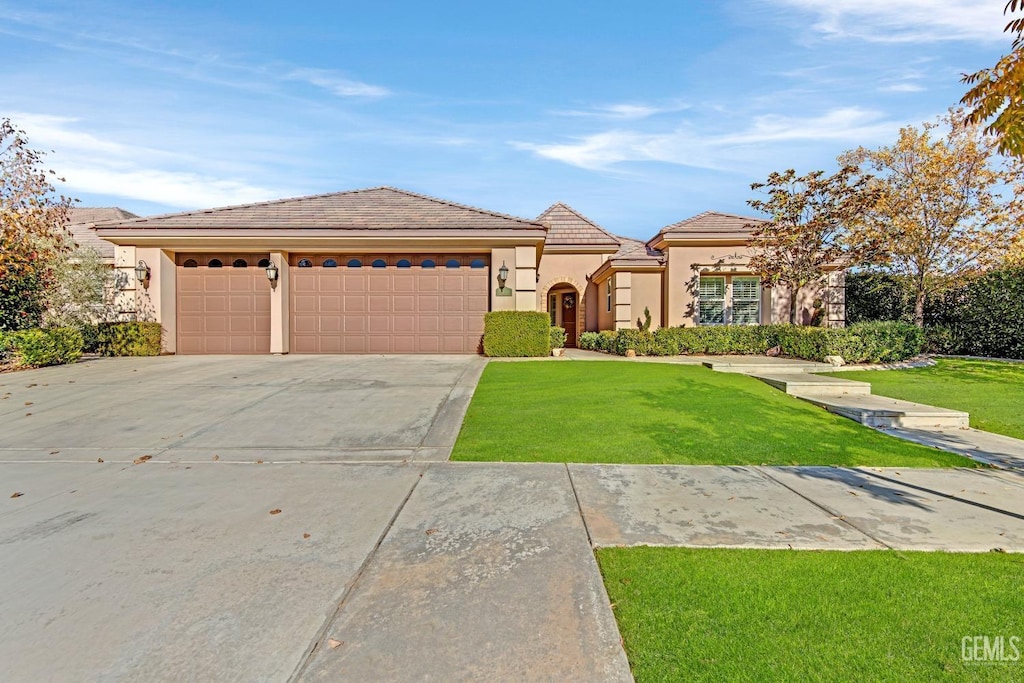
{"x": 563, "y": 306}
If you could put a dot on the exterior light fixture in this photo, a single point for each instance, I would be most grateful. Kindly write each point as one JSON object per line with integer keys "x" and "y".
{"x": 272, "y": 272}
{"x": 502, "y": 275}
{"x": 142, "y": 272}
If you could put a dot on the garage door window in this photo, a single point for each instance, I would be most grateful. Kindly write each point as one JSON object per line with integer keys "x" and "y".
{"x": 190, "y": 263}
{"x": 404, "y": 263}
{"x": 240, "y": 263}
{"x": 355, "y": 263}
{"x": 214, "y": 263}
{"x": 305, "y": 263}
{"x": 428, "y": 263}
{"x": 477, "y": 263}
{"x": 330, "y": 263}
{"x": 380, "y": 263}
{"x": 453, "y": 263}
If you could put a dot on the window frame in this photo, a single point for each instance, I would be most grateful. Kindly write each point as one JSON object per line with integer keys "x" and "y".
{"x": 733, "y": 300}
{"x": 701, "y": 298}
{"x": 608, "y": 295}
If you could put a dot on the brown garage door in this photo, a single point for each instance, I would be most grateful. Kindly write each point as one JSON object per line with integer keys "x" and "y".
{"x": 388, "y": 303}
{"x": 223, "y": 303}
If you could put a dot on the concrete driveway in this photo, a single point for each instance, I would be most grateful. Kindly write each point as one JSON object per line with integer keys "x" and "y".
{"x": 269, "y": 408}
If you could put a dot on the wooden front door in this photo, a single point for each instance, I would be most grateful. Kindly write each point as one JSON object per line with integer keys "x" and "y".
{"x": 570, "y": 303}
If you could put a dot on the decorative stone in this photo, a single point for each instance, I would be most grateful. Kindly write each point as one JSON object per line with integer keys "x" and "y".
{"x": 774, "y": 351}
{"x": 835, "y": 361}
{"x": 630, "y": 353}
{"x": 557, "y": 353}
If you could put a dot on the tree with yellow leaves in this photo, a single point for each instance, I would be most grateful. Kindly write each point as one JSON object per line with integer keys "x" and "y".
{"x": 997, "y": 94}
{"x": 945, "y": 206}
{"x": 33, "y": 233}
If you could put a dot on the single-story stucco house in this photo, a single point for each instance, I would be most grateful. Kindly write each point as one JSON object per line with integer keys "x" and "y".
{"x": 385, "y": 270}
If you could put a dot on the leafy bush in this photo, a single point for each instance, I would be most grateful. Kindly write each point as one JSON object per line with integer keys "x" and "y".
{"x": 878, "y": 296}
{"x": 90, "y": 337}
{"x": 641, "y": 341}
{"x": 589, "y": 341}
{"x": 864, "y": 342}
{"x": 558, "y": 337}
{"x": 517, "y": 334}
{"x": 985, "y": 317}
{"x": 606, "y": 340}
{"x": 129, "y": 339}
{"x": 37, "y": 348}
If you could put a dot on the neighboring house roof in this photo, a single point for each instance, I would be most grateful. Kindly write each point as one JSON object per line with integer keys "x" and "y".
{"x": 84, "y": 234}
{"x": 379, "y": 208}
{"x": 709, "y": 225}
{"x": 567, "y": 227}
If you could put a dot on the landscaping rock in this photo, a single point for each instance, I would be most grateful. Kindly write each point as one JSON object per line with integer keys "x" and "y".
{"x": 630, "y": 353}
{"x": 774, "y": 351}
{"x": 835, "y": 361}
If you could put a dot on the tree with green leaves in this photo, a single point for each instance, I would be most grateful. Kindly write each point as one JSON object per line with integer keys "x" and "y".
{"x": 808, "y": 232}
{"x": 33, "y": 233}
{"x": 946, "y": 206}
{"x": 997, "y": 94}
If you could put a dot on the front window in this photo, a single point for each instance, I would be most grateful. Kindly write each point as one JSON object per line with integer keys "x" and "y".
{"x": 553, "y": 309}
{"x": 608, "y": 294}
{"x": 746, "y": 301}
{"x": 712, "y": 300}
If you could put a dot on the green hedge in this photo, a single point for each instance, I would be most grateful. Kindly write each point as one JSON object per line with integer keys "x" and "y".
{"x": 516, "y": 334}
{"x": 128, "y": 339}
{"x": 558, "y": 337}
{"x": 983, "y": 318}
{"x": 37, "y": 348}
{"x": 873, "y": 342}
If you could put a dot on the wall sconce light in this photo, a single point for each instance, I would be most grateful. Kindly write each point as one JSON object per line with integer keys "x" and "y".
{"x": 142, "y": 273}
{"x": 272, "y": 272}
{"x": 502, "y": 275}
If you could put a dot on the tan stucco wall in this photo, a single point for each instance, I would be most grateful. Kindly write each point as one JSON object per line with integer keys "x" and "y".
{"x": 681, "y": 284}
{"x": 557, "y": 268}
{"x": 647, "y": 294}
{"x": 605, "y": 318}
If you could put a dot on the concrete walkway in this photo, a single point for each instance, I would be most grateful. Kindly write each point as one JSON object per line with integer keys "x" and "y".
{"x": 420, "y": 571}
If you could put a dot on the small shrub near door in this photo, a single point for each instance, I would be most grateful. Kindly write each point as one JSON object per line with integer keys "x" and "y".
{"x": 517, "y": 334}
{"x": 558, "y": 337}
{"x": 129, "y": 339}
{"x": 589, "y": 341}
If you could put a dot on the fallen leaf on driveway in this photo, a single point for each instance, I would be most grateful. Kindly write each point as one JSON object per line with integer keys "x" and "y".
{"x": 305, "y": 535}
{"x": 17, "y": 494}
{"x": 141, "y": 459}
{"x": 275, "y": 511}
{"x": 334, "y": 643}
{"x": 54, "y": 452}
{"x": 99, "y": 459}
{"x": 259, "y": 462}
{"x": 216, "y": 457}
{"x": 28, "y": 414}
{"x": 28, "y": 403}
{"x": 431, "y": 532}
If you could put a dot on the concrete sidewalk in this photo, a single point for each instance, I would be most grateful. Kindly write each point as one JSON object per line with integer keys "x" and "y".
{"x": 432, "y": 571}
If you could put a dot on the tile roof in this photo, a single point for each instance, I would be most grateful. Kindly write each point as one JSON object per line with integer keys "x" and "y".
{"x": 711, "y": 223}
{"x": 379, "y": 208}
{"x": 83, "y": 233}
{"x": 636, "y": 251}
{"x": 568, "y": 227}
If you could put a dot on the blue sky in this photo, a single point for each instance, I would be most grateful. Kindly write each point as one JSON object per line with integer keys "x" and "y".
{"x": 637, "y": 114}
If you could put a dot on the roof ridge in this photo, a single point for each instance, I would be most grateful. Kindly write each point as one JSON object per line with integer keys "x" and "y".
{"x": 448, "y": 202}
{"x": 583, "y": 218}
{"x": 322, "y": 195}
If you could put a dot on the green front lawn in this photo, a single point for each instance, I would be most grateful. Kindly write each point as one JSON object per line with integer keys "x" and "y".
{"x": 777, "y": 615}
{"x": 992, "y": 392}
{"x": 621, "y": 412}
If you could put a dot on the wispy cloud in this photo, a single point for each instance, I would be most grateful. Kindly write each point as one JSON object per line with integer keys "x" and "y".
{"x": 684, "y": 146}
{"x": 903, "y": 87}
{"x": 92, "y": 164}
{"x": 629, "y": 111}
{"x": 906, "y": 20}
{"x": 336, "y": 83}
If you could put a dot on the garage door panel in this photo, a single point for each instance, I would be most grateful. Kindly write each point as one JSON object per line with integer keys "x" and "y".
{"x": 387, "y": 309}
{"x": 223, "y": 310}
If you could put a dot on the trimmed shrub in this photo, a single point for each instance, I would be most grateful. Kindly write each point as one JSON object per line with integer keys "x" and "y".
{"x": 38, "y": 348}
{"x": 589, "y": 341}
{"x": 517, "y": 334}
{"x": 985, "y": 317}
{"x": 558, "y": 337}
{"x": 129, "y": 339}
{"x": 878, "y": 296}
{"x": 640, "y": 341}
{"x": 90, "y": 337}
{"x": 606, "y": 340}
